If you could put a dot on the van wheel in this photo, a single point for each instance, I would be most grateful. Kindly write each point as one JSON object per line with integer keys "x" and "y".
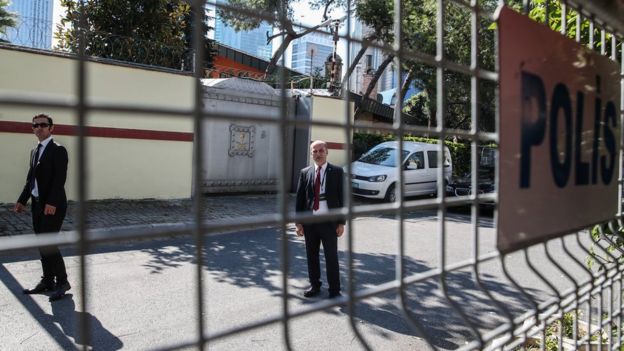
{"x": 435, "y": 194}
{"x": 391, "y": 193}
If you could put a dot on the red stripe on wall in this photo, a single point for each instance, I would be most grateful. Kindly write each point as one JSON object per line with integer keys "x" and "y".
{"x": 103, "y": 132}
{"x": 335, "y": 146}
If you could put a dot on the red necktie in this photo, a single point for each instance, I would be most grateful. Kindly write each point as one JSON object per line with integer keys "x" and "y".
{"x": 317, "y": 189}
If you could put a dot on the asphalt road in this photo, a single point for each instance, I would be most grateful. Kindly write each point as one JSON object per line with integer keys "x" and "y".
{"x": 142, "y": 295}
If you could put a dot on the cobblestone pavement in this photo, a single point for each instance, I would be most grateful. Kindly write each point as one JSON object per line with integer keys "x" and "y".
{"x": 113, "y": 213}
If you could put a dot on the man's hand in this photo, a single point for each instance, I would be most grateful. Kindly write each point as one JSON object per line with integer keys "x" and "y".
{"x": 299, "y": 229}
{"x": 49, "y": 210}
{"x": 340, "y": 230}
{"x": 18, "y": 208}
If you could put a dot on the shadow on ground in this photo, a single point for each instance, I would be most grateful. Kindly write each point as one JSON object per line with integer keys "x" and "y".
{"x": 63, "y": 324}
{"x": 252, "y": 259}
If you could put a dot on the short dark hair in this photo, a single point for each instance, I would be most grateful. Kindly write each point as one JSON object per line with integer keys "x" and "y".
{"x": 43, "y": 115}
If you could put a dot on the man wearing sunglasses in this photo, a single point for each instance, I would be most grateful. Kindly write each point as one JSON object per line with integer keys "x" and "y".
{"x": 45, "y": 186}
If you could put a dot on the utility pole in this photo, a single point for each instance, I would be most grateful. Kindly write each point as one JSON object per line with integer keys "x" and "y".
{"x": 334, "y": 87}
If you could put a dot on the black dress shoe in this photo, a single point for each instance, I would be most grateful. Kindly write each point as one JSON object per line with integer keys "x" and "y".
{"x": 59, "y": 292}
{"x": 312, "y": 292}
{"x": 42, "y": 287}
{"x": 333, "y": 295}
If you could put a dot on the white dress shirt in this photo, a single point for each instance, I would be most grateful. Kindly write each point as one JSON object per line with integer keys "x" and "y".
{"x": 323, "y": 203}
{"x": 44, "y": 143}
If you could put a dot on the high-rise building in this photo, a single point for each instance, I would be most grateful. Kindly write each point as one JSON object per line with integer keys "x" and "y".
{"x": 310, "y": 52}
{"x": 34, "y": 23}
{"x": 369, "y": 63}
{"x": 253, "y": 42}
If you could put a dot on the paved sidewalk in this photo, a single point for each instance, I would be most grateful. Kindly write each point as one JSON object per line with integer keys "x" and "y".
{"x": 113, "y": 213}
{"x": 141, "y": 294}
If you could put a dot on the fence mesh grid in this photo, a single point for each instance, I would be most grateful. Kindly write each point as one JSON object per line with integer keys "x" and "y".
{"x": 588, "y": 297}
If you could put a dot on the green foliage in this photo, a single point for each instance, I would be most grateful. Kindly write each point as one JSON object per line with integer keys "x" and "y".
{"x": 153, "y": 32}
{"x": 567, "y": 326}
{"x": 418, "y": 27}
{"x": 417, "y": 108}
{"x": 377, "y": 15}
{"x": 612, "y": 235}
{"x": 7, "y": 19}
{"x": 540, "y": 9}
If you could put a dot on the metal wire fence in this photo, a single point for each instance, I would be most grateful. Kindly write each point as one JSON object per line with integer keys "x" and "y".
{"x": 38, "y": 34}
{"x": 576, "y": 301}
{"x": 29, "y": 32}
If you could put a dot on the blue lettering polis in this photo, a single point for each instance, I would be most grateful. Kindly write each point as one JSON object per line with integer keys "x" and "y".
{"x": 534, "y": 132}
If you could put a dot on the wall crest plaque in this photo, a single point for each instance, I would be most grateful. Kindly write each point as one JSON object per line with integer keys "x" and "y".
{"x": 242, "y": 140}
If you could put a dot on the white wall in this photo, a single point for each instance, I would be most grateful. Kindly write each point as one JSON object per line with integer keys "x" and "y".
{"x": 331, "y": 110}
{"x": 117, "y": 167}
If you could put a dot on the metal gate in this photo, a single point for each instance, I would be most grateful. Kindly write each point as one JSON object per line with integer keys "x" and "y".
{"x": 576, "y": 304}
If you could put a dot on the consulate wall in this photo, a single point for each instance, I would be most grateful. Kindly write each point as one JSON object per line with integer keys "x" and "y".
{"x": 128, "y": 156}
{"x": 138, "y": 156}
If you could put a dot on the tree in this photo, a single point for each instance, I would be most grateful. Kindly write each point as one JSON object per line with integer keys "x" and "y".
{"x": 418, "y": 26}
{"x": 249, "y": 14}
{"x": 417, "y": 109}
{"x": 551, "y": 12}
{"x": 7, "y": 19}
{"x": 153, "y": 32}
{"x": 374, "y": 13}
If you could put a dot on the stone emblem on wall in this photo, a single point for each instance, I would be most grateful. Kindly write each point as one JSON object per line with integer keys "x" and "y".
{"x": 242, "y": 140}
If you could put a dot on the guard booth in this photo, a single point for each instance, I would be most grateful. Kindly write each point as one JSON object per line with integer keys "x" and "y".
{"x": 243, "y": 155}
{"x": 239, "y": 155}
{"x": 317, "y": 105}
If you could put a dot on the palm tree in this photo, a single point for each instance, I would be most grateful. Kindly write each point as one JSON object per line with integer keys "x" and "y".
{"x": 7, "y": 19}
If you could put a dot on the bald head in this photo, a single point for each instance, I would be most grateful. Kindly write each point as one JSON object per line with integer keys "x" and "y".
{"x": 318, "y": 151}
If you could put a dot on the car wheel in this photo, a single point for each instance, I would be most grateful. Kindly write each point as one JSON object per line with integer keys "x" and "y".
{"x": 391, "y": 193}
{"x": 435, "y": 193}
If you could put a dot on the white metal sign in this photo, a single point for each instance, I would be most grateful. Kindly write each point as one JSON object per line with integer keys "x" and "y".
{"x": 559, "y": 134}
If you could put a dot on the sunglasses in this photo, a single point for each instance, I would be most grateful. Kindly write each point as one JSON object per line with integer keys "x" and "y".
{"x": 42, "y": 125}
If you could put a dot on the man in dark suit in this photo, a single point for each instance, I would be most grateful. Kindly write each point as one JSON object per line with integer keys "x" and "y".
{"x": 45, "y": 186}
{"x": 319, "y": 190}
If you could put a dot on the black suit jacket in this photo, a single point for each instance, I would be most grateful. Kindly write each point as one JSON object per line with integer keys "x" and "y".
{"x": 51, "y": 173}
{"x": 334, "y": 178}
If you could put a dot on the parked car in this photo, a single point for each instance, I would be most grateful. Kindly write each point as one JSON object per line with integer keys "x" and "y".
{"x": 374, "y": 175}
{"x": 462, "y": 185}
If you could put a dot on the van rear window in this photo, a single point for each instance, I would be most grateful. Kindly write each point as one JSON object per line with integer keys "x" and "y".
{"x": 432, "y": 157}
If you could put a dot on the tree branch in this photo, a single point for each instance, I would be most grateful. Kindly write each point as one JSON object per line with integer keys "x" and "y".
{"x": 365, "y": 44}
{"x": 458, "y": 124}
{"x": 406, "y": 83}
{"x": 290, "y": 36}
{"x": 329, "y": 3}
{"x": 277, "y": 55}
{"x": 373, "y": 81}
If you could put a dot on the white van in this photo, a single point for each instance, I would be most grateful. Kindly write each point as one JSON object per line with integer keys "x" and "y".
{"x": 375, "y": 175}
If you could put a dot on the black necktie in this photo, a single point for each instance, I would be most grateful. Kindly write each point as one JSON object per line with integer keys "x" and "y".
{"x": 34, "y": 165}
{"x": 317, "y": 190}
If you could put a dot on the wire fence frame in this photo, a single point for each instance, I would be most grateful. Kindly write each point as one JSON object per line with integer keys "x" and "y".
{"x": 514, "y": 332}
